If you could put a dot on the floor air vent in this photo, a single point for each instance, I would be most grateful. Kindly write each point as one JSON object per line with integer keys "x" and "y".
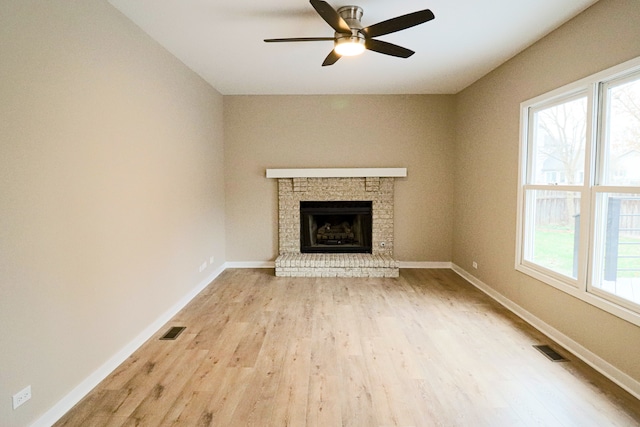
{"x": 173, "y": 333}
{"x": 550, "y": 353}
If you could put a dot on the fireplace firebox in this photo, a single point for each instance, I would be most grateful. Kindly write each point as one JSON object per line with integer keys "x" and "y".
{"x": 335, "y": 226}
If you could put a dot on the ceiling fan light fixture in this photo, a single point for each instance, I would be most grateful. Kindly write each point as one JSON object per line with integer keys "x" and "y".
{"x": 350, "y": 46}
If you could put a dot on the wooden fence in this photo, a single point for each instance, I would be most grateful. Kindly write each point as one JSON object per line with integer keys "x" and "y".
{"x": 556, "y": 210}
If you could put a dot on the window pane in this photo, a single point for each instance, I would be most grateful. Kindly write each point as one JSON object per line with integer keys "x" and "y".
{"x": 618, "y": 245}
{"x": 559, "y": 137}
{"x": 553, "y": 223}
{"x": 622, "y": 134}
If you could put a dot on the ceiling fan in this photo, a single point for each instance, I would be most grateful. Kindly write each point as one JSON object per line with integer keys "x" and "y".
{"x": 351, "y": 38}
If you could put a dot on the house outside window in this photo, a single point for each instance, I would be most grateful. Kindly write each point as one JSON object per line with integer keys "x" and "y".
{"x": 579, "y": 190}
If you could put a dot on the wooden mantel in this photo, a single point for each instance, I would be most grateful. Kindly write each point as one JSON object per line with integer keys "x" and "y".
{"x": 337, "y": 173}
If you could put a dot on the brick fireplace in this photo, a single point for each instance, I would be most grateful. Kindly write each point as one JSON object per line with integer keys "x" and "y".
{"x": 321, "y": 185}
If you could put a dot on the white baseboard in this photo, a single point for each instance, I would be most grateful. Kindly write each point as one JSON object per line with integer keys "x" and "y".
{"x": 403, "y": 264}
{"x": 596, "y": 362}
{"x": 424, "y": 264}
{"x": 89, "y": 383}
{"x": 251, "y": 264}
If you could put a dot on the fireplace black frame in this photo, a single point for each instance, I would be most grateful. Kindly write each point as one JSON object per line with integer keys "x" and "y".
{"x": 358, "y": 215}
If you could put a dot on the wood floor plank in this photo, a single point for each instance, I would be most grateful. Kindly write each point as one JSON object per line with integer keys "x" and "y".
{"x": 290, "y": 401}
{"x": 248, "y": 349}
{"x": 424, "y": 349}
{"x": 323, "y": 401}
{"x": 355, "y": 393}
{"x": 221, "y": 352}
{"x": 154, "y": 407}
{"x": 324, "y": 354}
{"x": 189, "y": 409}
{"x": 392, "y": 406}
{"x": 347, "y": 333}
{"x": 228, "y": 390}
{"x": 145, "y": 378}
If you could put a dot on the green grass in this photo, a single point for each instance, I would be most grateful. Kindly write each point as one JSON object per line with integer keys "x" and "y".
{"x": 554, "y": 250}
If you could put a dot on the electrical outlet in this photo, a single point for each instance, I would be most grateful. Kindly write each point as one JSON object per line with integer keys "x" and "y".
{"x": 211, "y": 258}
{"x": 474, "y": 265}
{"x": 21, "y": 397}
{"x": 203, "y": 266}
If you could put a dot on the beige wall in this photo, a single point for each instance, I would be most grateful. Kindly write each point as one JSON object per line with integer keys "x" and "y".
{"x": 111, "y": 192}
{"x": 414, "y": 131}
{"x": 487, "y": 166}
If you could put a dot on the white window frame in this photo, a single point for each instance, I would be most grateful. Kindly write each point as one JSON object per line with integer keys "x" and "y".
{"x": 582, "y": 286}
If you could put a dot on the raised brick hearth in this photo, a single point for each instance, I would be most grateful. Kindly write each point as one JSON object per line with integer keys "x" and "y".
{"x": 294, "y": 189}
{"x": 336, "y": 265}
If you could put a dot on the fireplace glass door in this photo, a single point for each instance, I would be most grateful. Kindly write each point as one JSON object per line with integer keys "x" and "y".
{"x": 335, "y": 227}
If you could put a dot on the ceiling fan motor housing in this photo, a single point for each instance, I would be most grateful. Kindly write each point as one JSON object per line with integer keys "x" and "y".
{"x": 352, "y": 16}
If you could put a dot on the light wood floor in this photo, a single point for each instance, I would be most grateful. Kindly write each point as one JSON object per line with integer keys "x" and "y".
{"x": 426, "y": 349}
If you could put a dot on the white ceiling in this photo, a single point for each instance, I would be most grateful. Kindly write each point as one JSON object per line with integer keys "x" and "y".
{"x": 222, "y": 41}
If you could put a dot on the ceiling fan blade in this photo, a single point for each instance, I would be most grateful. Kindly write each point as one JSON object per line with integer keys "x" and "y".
{"x": 387, "y": 48}
{"x": 398, "y": 23}
{"x": 300, "y": 39}
{"x": 331, "y": 16}
{"x": 331, "y": 59}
